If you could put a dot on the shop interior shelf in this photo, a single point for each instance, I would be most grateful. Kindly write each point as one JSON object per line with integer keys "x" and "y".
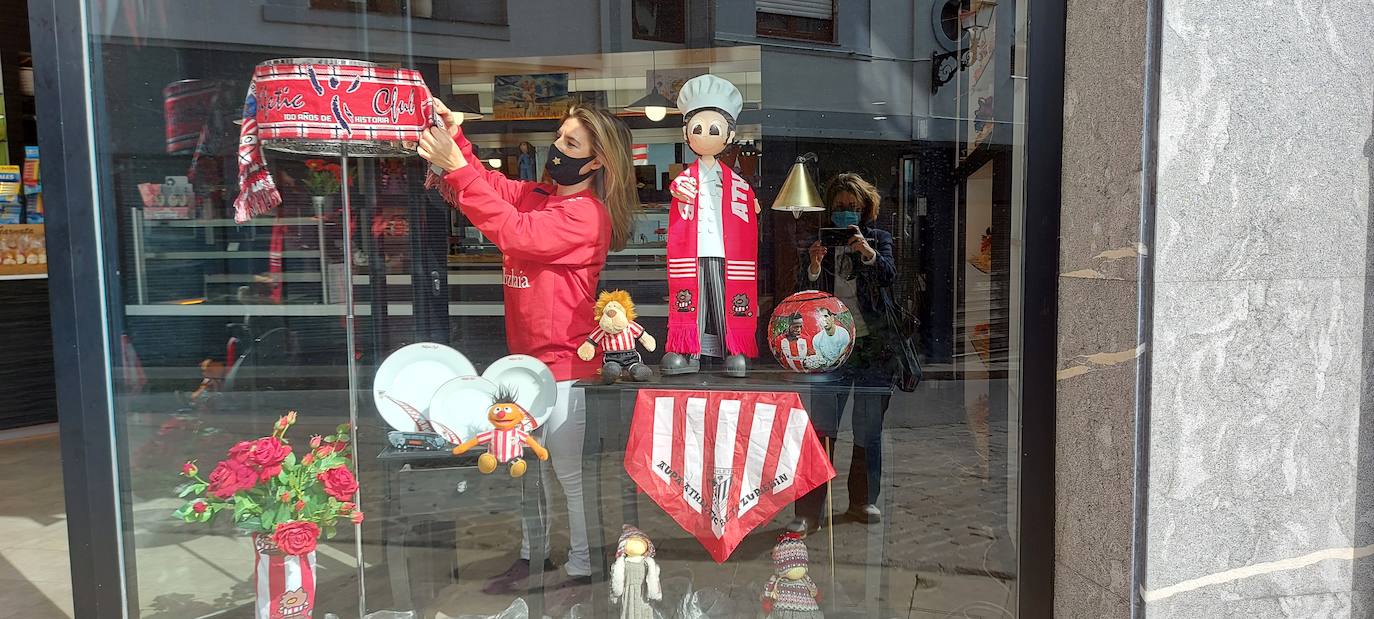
{"x": 229, "y": 223}
{"x": 198, "y": 255}
{"x": 237, "y": 310}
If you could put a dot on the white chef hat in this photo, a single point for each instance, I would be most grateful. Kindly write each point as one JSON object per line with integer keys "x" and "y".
{"x": 705, "y": 91}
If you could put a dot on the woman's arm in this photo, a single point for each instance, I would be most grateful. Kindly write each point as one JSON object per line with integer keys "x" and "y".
{"x": 805, "y": 281}
{"x": 883, "y": 269}
{"x": 565, "y": 233}
{"x": 510, "y": 190}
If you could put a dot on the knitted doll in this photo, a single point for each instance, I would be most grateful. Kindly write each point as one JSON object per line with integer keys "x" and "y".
{"x": 507, "y": 438}
{"x": 616, "y": 333}
{"x": 713, "y": 247}
{"x": 634, "y": 575}
{"x": 790, "y": 593}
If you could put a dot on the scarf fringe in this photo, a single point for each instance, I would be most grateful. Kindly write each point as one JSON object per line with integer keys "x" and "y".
{"x": 741, "y": 344}
{"x": 683, "y": 339}
{"x": 446, "y": 191}
{"x": 260, "y": 198}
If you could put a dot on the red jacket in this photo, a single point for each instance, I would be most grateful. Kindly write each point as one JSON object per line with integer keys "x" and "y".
{"x": 554, "y": 248}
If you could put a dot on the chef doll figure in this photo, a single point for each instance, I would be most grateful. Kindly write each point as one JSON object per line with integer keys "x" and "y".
{"x": 713, "y": 233}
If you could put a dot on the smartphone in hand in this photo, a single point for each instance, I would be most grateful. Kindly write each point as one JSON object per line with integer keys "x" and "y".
{"x": 836, "y": 237}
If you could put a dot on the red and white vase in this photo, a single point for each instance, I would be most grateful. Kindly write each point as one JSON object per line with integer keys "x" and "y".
{"x": 285, "y": 584}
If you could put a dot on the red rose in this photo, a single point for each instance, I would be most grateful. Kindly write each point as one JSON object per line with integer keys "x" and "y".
{"x": 339, "y": 482}
{"x": 300, "y": 506}
{"x": 240, "y": 451}
{"x": 346, "y": 506}
{"x": 198, "y": 507}
{"x": 189, "y": 469}
{"x": 296, "y": 538}
{"x": 267, "y": 454}
{"x": 308, "y": 459}
{"x": 229, "y": 477}
{"x": 285, "y": 497}
{"x": 315, "y": 441}
{"x": 357, "y": 517}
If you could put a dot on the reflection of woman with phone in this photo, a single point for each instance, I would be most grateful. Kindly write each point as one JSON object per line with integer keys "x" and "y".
{"x": 858, "y": 269}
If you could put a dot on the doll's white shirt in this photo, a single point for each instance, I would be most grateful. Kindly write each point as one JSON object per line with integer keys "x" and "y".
{"x": 710, "y": 234}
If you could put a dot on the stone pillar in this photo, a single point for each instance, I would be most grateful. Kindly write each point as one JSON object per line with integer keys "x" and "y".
{"x": 1104, "y": 78}
{"x": 1260, "y": 309}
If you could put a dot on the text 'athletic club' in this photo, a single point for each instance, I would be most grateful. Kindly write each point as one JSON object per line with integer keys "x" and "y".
{"x": 720, "y": 463}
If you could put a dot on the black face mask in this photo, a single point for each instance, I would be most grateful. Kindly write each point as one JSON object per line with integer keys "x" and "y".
{"x": 566, "y": 170}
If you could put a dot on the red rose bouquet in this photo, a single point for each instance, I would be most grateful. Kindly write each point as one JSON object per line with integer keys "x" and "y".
{"x": 272, "y": 493}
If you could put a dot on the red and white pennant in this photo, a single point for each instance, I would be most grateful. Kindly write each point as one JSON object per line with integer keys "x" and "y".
{"x": 721, "y": 463}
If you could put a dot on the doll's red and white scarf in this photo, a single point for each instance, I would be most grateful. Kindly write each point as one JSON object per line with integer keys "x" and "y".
{"x": 325, "y": 102}
{"x": 740, "y": 226}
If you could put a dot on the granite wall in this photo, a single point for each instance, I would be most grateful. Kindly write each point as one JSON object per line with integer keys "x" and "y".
{"x": 1254, "y": 500}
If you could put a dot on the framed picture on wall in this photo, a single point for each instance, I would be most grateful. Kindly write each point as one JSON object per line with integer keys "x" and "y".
{"x": 536, "y": 95}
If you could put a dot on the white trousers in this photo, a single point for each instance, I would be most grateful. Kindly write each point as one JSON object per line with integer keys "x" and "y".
{"x": 562, "y": 436}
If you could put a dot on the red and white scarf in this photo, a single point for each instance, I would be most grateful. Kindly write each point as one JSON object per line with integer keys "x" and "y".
{"x": 740, "y": 227}
{"x": 326, "y": 102}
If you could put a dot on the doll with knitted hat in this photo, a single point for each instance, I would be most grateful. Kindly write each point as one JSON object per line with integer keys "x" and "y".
{"x": 713, "y": 247}
{"x": 790, "y": 593}
{"x": 634, "y": 575}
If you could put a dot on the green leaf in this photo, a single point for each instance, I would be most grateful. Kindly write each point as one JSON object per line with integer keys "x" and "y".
{"x": 290, "y": 460}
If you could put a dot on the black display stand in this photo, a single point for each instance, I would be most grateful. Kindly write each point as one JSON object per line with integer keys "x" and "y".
{"x": 425, "y": 492}
{"x": 610, "y": 409}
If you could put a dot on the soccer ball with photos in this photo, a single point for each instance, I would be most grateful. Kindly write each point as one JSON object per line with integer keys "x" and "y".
{"x": 811, "y": 332}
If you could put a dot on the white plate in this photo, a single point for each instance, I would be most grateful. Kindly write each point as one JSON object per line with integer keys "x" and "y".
{"x": 459, "y": 408}
{"x": 536, "y": 389}
{"x": 408, "y": 378}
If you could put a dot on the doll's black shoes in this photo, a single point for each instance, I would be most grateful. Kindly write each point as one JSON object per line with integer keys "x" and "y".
{"x": 611, "y": 372}
{"x": 674, "y": 364}
{"x": 640, "y": 372}
{"x": 737, "y": 366}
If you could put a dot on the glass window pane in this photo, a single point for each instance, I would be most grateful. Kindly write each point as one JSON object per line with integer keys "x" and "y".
{"x": 823, "y": 339}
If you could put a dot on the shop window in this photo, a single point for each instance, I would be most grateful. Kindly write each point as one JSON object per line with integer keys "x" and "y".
{"x": 472, "y": 11}
{"x": 809, "y": 20}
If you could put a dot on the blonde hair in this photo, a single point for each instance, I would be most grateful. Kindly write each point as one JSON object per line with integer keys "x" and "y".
{"x": 616, "y": 296}
{"x": 614, "y": 183}
{"x": 863, "y": 190}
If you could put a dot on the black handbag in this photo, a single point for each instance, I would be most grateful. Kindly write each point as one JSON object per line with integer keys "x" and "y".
{"x": 903, "y": 324}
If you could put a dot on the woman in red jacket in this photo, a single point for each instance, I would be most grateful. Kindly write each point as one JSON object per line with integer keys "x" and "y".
{"x": 554, "y": 238}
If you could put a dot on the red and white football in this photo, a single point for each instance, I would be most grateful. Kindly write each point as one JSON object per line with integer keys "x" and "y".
{"x": 811, "y": 332}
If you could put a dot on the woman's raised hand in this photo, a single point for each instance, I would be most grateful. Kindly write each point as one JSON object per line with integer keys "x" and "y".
{"x": 438, "y": 148}
{"x": 452, "y": 120}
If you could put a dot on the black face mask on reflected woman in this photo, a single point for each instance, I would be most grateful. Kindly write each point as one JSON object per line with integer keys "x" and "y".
{"x": 566, "y": 170}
